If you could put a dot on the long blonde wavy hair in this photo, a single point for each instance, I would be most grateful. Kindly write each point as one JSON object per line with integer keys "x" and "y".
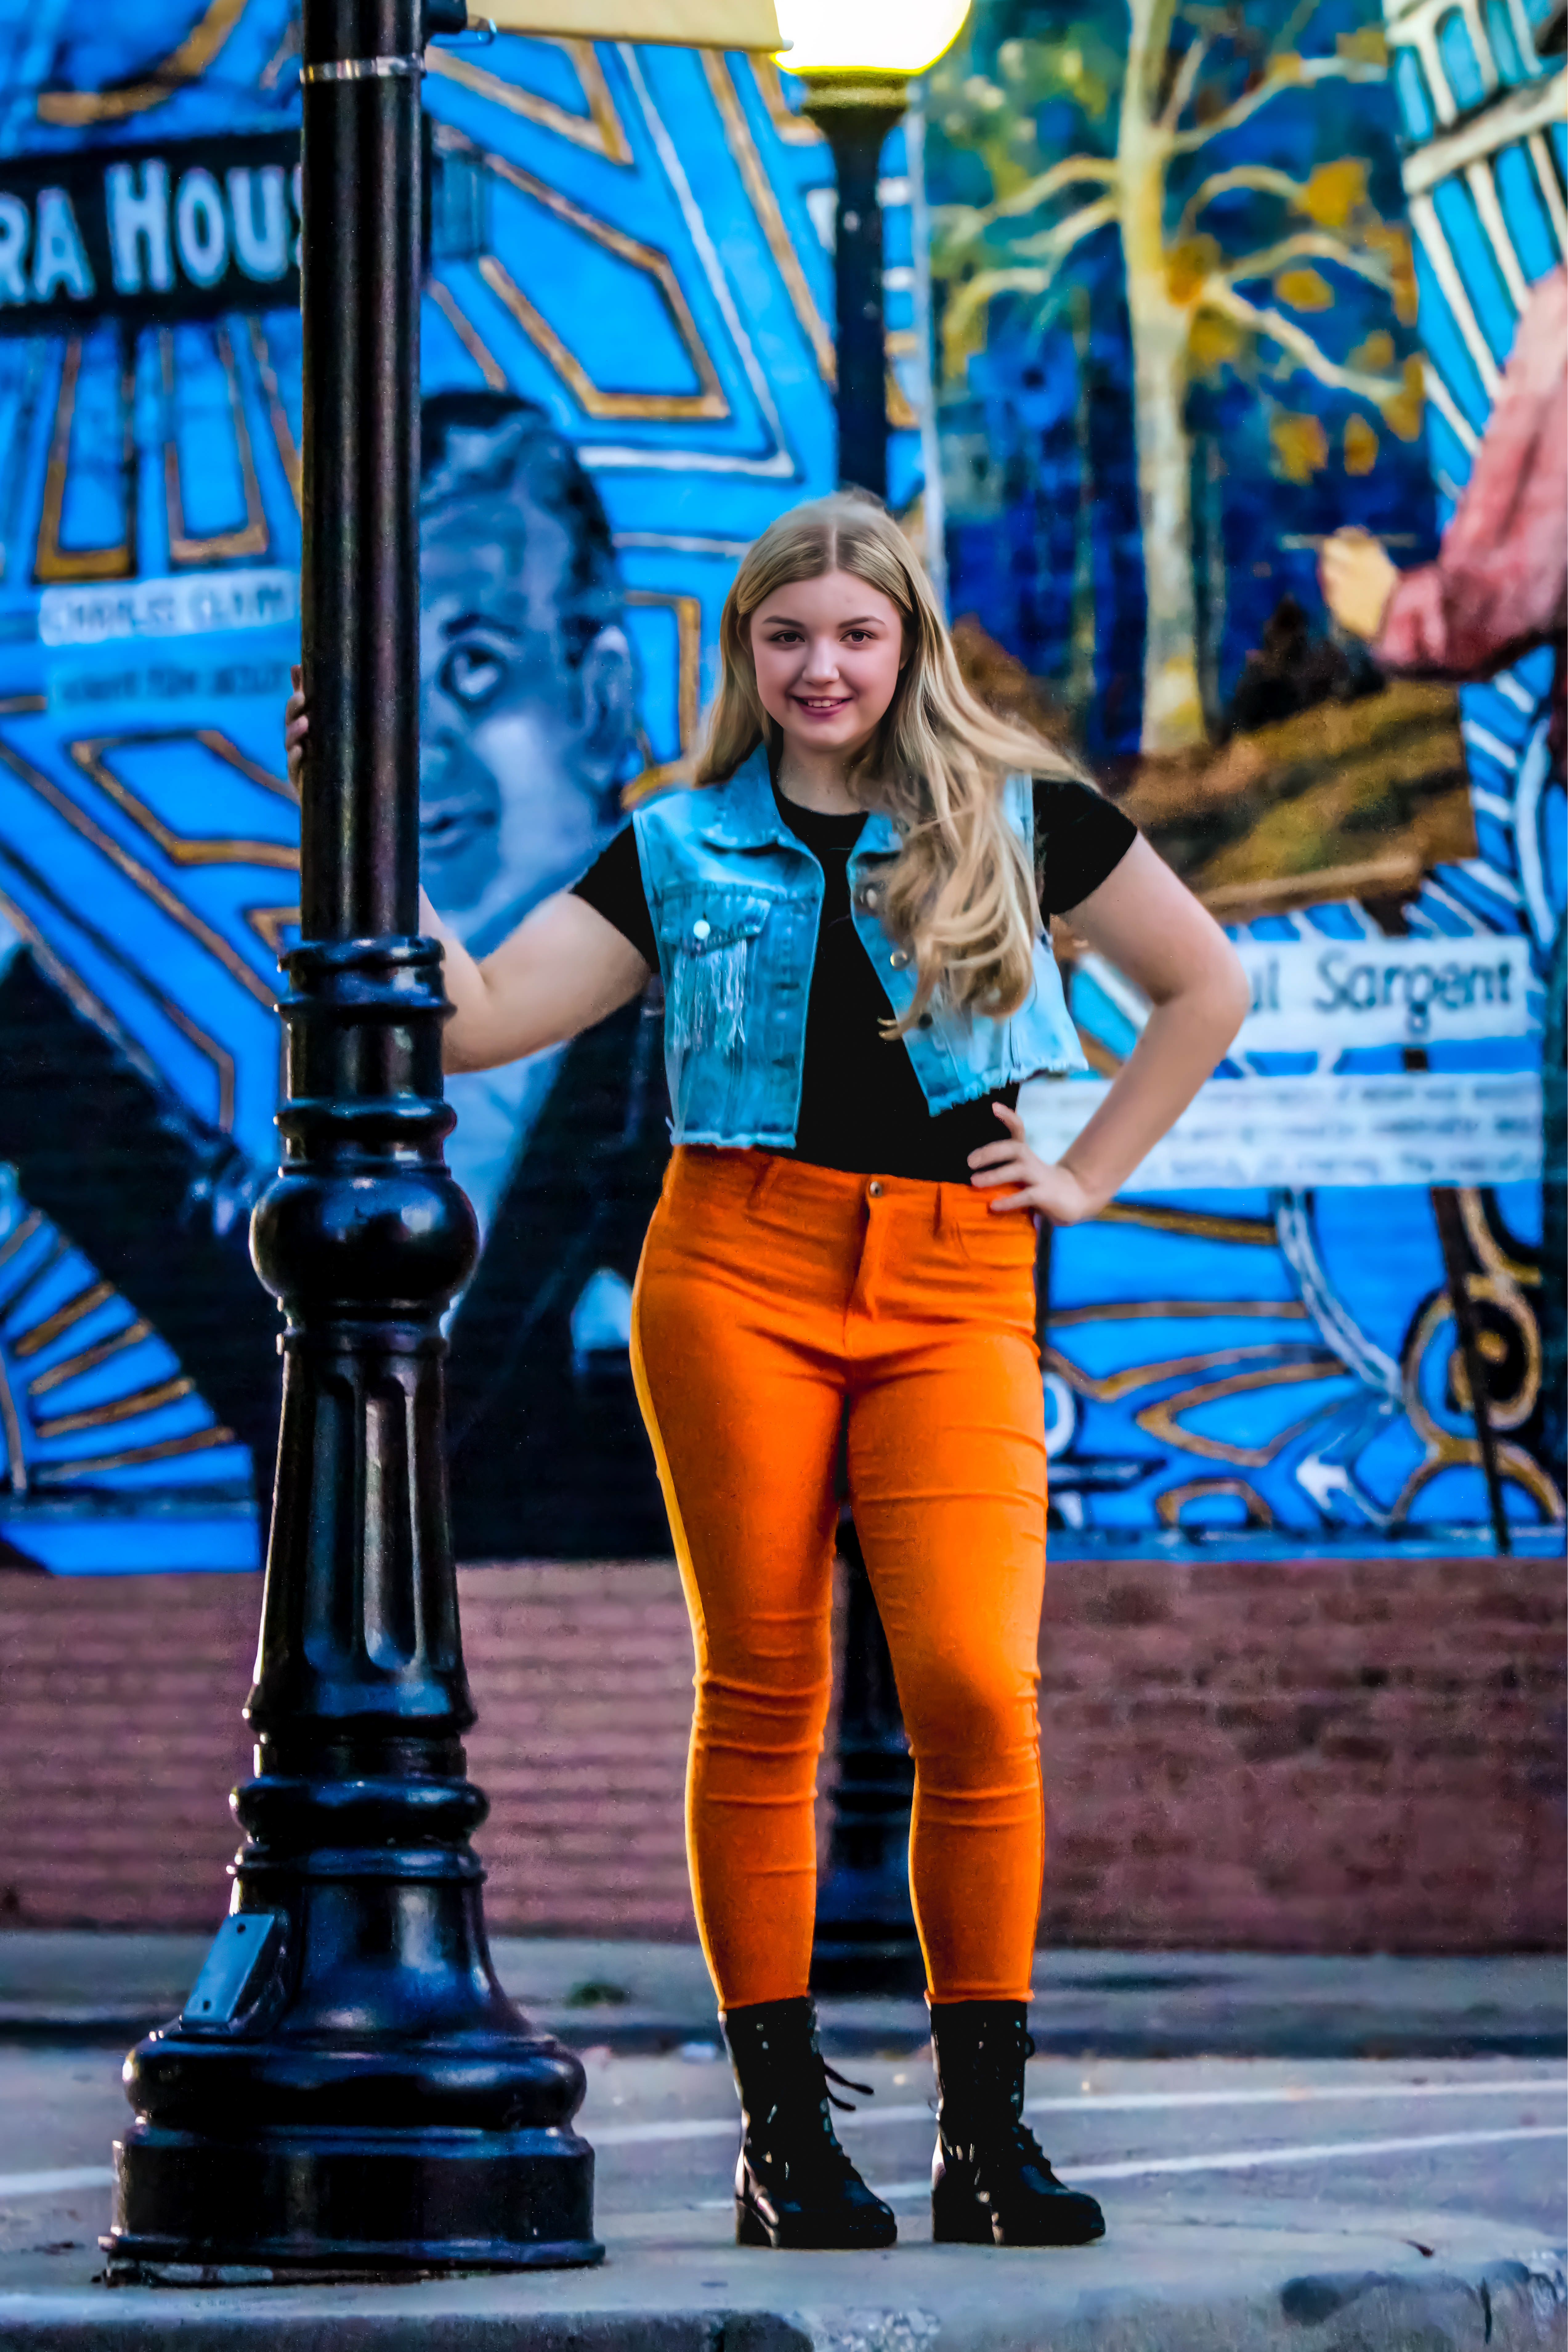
{"x": 961, "y": 893}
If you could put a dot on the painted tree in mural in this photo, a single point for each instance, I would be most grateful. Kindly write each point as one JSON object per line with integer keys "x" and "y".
{"x": 1223, "y": 244}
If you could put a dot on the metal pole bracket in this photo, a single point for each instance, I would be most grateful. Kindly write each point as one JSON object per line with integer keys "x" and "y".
{"x": 363, "y": 69}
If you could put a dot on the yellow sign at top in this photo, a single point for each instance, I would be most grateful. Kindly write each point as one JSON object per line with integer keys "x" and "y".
{"x": 686, "y": 24}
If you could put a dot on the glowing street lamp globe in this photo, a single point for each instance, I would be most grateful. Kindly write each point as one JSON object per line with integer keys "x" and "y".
{"x": 866, "y": 40}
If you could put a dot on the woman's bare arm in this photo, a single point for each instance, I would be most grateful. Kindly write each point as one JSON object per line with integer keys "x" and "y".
{"x": 562, "y": 969}
{"x": 1149, "y": 925}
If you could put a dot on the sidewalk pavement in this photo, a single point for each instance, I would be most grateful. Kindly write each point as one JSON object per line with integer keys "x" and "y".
{"x": 1373, "y": 2161}
{"x": 650, "y": 1998}
{"x": 1408, "y": 2282}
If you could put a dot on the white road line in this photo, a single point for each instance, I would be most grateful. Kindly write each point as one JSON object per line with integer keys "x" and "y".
{"x": 715, "y": 2127}
{"x": 1291, "y": 2095}
{"x": 94, "y": 2176}
{"x": 1246, "y": 2159}
{"x": 50, "y": 2184}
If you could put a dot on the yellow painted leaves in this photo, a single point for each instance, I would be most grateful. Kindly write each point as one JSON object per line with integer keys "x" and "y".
{"x": 1376, "y": 354}
{"x": 1361, "y": 445}
{"x": 1188, "y": 266}
{"x": 1402, "y": 413}
{"x": 1301, "y": 445}
{"x": 1304, "y": 289}
{"x": 1394, "y": 245}
{"x": 1365, "y": 47}
{"x": 1213, "y": 343}
{"x": 1335, "y": 192}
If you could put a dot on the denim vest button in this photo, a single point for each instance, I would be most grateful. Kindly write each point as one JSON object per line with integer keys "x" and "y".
{"x": 898, "y": 958}
{"x": 700, "y": 928}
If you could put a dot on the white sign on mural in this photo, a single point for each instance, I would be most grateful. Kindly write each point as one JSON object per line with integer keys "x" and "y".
{"x": 1243, "y": 1134}
{"x": 190, "y": 604}
{"x": 1321, "y": 996}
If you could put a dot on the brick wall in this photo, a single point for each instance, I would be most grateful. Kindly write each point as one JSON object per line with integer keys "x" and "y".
{"x": 120, "y": 1737}
{"x": 1318, "y": 1756}
{"x": 1322, "y": 1756}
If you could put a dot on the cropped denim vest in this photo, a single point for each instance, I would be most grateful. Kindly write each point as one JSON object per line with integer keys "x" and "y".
{"x": 736, "y": 898}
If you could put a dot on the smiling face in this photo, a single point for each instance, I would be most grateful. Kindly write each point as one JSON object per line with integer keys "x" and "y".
{"x": 828, "y": 652}
{"x": 525, "y": 716}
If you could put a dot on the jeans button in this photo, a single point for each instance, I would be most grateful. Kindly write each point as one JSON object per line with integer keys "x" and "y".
{"x": 873, "y": 1189}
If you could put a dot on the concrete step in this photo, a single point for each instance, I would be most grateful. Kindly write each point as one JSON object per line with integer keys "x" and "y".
{"x": 1313, "y": 2280}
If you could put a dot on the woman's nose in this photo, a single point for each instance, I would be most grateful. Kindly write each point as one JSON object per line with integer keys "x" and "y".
{"x": 822, "y": 661}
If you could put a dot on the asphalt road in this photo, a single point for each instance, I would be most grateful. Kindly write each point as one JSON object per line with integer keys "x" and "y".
{"x": 1158, "y": 2141}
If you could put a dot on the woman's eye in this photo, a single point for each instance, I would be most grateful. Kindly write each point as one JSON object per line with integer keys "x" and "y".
{"x": 472, "y": 674}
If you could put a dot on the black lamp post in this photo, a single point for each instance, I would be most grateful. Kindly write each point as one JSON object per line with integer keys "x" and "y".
{"x": 348, "y": 2088}
{"x": 856, "y": 115}
{"x": 865, "y": 1939}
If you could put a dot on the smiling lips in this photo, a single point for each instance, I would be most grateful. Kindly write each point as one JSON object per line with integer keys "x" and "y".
{"x": 821, "y": 705}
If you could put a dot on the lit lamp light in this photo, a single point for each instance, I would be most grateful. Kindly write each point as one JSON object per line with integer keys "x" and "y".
{"x": 856, "y": 58}
{"x": 873, "y": 43}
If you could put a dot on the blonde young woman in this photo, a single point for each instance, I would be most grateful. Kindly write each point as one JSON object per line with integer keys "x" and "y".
{"x": 846, "y": 913}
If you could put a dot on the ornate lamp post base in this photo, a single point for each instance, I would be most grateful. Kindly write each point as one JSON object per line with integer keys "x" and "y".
{"x": 392, "y": 2211}
{"x": 348, "y": 2088}
{"x": 416, "y": 2194}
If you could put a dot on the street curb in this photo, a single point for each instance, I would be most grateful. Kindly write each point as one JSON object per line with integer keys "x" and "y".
{"x": 344, "y": 2330}
{"x": 1513, "y": 2304}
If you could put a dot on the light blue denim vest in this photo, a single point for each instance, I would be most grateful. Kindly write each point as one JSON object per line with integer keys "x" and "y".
{"x": 736, "y": 898}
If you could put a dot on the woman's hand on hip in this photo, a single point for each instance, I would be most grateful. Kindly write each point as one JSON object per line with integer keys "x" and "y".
{"x": 1043, "y": 1186}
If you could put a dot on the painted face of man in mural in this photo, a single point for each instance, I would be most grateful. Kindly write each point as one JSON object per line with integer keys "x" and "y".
{"x": 528, "y": 700}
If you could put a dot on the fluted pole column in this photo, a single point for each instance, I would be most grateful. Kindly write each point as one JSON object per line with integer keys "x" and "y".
{"x": 348, "y": 2087}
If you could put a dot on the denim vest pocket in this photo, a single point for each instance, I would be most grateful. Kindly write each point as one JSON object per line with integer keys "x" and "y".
{"x": 707, "y": 940}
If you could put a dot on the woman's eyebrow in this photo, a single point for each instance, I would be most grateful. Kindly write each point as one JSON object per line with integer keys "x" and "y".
{"x": 466, "y": 621}
{"x": 861, "y": 621}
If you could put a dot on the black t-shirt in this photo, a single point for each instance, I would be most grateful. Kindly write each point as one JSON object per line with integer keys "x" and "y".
{"x": 862, "y": 1109}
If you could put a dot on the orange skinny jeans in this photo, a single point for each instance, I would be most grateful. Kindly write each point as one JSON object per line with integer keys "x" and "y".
{"x": 773, "y": 1297}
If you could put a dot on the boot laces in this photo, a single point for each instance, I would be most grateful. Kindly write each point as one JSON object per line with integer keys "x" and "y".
{"x": 1023, "y": 2140}
{"x": 1024, "y": 2145}
{"x": 833, "y": 2151}
{"x": 806, "y": 2138}
{"x": 1004, "y": 2133}
{"x": 847, "y": 2083}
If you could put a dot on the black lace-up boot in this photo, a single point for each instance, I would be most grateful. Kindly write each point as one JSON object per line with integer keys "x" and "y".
{"x": 793, "y": 2184}
{"x": 991, "y": 2184}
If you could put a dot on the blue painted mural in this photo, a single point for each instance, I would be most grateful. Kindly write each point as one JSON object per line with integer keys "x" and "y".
{"x": 627, "y": 373}
{"x": 1198, "y": 225}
